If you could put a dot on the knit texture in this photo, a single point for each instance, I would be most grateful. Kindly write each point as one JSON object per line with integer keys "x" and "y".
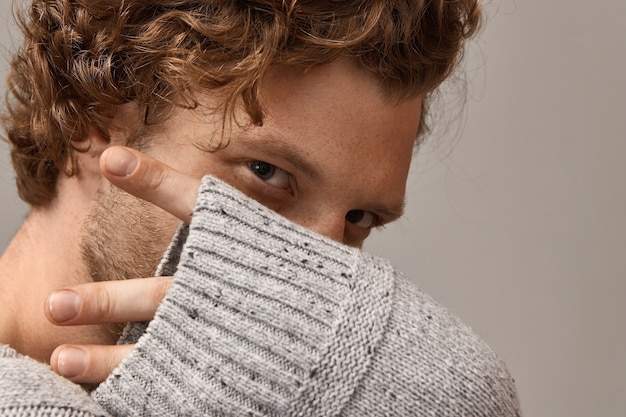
{"x": 30, "y": 389}
{"x": 267, "y": 318}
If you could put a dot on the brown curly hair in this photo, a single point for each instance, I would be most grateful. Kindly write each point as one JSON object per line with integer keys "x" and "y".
{"x": 80, "y": 59}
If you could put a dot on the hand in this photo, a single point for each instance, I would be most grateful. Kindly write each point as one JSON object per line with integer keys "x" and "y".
{"x": 119, "y": 301}
{"x": 97, "y": 303}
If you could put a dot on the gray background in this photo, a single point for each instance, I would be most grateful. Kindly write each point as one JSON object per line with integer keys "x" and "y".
{"x": 517, "y": 223}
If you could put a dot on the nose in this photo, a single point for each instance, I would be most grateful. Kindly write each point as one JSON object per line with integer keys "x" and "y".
{"x": 331, "y": 225}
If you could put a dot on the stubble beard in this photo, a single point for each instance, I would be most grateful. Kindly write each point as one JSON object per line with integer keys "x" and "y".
{"x": 124, "y": 237}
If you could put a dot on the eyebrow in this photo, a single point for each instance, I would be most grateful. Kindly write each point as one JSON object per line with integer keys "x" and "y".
{"x": 270, "y": 146}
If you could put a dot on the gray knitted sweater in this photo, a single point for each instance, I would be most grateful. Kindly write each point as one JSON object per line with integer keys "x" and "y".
{"x": 265, "y": 318}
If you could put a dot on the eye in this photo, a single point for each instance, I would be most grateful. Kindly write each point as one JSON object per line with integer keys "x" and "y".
{"x": 270, "y": 174}
{"x": 360, "y": 218}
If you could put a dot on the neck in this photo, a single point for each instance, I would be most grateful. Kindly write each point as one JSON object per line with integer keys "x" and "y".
{"x": 43, "y": 256}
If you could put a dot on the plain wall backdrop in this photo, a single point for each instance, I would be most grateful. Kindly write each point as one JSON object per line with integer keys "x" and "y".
{"x": 517, "y": 223}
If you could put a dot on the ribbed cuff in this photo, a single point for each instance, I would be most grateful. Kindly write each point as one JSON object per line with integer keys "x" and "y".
{"x": 263, "y": 318}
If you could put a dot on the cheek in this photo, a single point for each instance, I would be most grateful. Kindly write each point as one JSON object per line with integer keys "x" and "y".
{"x": 222, "y": 164}
{"x": 239, "y": 176}
{"x": 125, "y": 237}
{"x": 227, "y": 171}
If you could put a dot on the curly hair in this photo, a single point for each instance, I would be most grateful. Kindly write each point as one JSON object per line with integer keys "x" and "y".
{"x": 81, "y": 59}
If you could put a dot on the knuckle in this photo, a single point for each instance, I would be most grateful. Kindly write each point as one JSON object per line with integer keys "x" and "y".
{"x": 112, "y": 360}
{"x": 156, "y": 178}
{"x": 112, "y": 357}
{"x": 104, "y": 306}
{"x": 100, "y": 364}
{"x": 160, "y": 290}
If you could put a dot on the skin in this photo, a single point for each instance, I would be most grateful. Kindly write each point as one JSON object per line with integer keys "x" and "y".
{"x": 332, "y": 155}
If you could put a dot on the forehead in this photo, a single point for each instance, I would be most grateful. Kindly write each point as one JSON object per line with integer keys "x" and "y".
{"x": 335, "y": 118}
{"x": 336, "y": 101}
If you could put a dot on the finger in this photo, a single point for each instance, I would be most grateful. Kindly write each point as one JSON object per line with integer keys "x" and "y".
{"x": 88, "y": 364}
{"x": 107, "y": 301}
{"x": 150, "y": 180}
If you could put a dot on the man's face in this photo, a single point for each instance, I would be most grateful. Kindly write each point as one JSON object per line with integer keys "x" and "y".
{"x": 332, "y": 155}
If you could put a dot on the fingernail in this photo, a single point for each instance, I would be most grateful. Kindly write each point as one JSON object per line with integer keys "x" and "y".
{"x": 121, "y": 162}
{"x": 64, "y": 305}
{"x": 72, "y": 362}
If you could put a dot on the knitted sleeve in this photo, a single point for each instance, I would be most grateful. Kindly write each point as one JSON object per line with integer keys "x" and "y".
{"x": 265, "y": 318}
{"x": 30, "y": 389}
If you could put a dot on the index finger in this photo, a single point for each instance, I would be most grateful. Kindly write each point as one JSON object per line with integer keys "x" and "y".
{"x": 150, "y": 180}
{"x": 107, "y": 301}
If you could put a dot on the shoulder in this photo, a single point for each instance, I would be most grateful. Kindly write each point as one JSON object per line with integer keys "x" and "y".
{"x": 30, "y": 388}
{"x": 427, "y": 359}
{"x": 265, "y": 317}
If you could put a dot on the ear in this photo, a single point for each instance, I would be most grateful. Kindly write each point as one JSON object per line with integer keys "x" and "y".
{"x": 126, "y": 119}
{"x": 88, "y": 151}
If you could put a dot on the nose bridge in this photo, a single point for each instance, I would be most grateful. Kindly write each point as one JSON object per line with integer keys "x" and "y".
{"x": 326, "y": 222}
